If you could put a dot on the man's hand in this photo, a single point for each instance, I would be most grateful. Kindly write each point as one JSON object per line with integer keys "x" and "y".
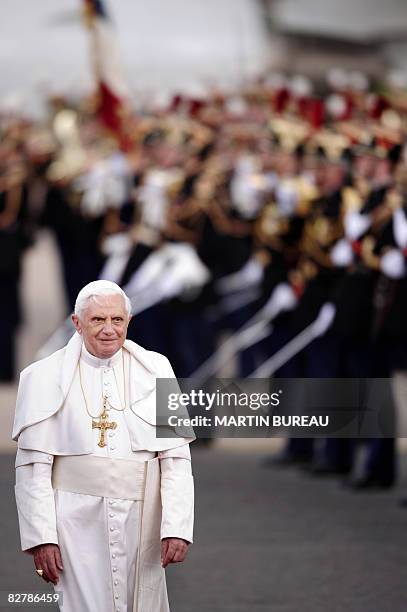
{"x": 173, "y": 550}
{"x": 48, "y": 558}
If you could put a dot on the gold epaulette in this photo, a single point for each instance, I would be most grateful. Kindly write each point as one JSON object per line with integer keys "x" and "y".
{"x": 351, "y": 199}
{"x": 270, "y": 225}
{"x": 307, "y": 193}
{"x": 291, "y": 131}
{"x": 332, "y": 143}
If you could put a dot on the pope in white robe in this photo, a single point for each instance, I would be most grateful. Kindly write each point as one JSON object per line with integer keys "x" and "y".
{"x": 104, "y": 504}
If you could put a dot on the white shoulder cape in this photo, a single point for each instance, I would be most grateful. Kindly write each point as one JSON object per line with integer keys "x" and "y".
{"x": 46, "y": 420}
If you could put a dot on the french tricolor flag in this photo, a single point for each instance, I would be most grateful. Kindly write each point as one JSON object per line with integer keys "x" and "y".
{"x": 113, "y": 90}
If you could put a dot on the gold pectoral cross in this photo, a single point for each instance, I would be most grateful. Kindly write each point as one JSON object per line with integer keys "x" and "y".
{"x": 103, "y": 424}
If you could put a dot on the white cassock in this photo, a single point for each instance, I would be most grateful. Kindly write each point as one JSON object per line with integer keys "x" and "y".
{"x": 100, "y": 534}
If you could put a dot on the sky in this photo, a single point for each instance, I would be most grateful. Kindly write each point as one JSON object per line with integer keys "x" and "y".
{"x": 165, "y": 45}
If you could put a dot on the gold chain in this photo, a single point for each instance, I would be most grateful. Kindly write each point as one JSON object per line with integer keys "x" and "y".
{"x": 122, "y": 408}
{"x": 105, "y": 400}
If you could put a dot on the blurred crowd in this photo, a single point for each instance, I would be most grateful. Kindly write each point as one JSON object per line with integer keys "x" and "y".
{"x": 201, "y": 208}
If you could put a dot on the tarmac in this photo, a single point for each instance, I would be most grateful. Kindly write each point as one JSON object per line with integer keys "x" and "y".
{"x": 265, "y": 540}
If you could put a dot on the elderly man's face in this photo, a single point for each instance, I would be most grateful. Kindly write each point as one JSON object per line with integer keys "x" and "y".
{"x": 103, "y": 325}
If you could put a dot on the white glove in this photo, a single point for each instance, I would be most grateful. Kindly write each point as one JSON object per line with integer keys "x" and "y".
{"x": 342, "y": 254}
{"x": 400, "y": 228}
{"x": 117, "y": 244}
{"x": 392, "y": 264}
{"x": 356, "y": 225}
{"x": 251, "y": 274}
{"x": 282, "y": 298}
{"x": 324, "y": 319}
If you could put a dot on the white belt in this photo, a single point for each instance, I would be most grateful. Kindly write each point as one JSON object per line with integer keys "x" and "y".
{"x": 124, "y": 479}
{"x": 100, "y": 476}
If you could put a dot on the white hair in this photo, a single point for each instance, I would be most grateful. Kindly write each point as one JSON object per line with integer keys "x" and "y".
{"x": 94, "y": 290}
